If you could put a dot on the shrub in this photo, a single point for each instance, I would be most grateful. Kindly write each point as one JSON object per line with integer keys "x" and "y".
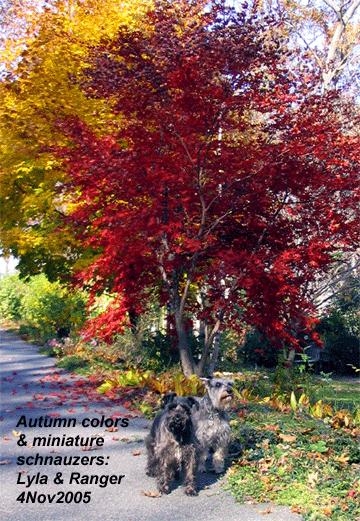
{"x": 12, "y": 290}
{"x": 49, "y": 309}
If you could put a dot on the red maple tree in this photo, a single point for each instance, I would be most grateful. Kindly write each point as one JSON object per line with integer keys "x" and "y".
{"x": 230, "y": 185}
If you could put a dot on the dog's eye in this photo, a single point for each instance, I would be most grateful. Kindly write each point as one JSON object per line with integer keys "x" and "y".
{"x": 218, "y": 384}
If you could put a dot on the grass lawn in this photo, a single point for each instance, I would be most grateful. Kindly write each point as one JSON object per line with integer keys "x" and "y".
{"x": 343, "y": 393}
{"x": 295, "y": 460}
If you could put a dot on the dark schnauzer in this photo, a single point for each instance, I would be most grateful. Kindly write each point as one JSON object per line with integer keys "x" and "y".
{"x": 171, "y": 444}
{"x": 211, "y": 422}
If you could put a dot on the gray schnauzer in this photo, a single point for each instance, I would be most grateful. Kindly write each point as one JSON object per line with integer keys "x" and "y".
{"x": 171, "y": 444}
{"x": 211, "y": 422}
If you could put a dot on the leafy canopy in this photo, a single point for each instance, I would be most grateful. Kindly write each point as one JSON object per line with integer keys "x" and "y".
{"x": 232, "y": 183}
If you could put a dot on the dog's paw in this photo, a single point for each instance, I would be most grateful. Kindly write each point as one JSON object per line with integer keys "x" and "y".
{"x": 202, "y": 468}
{"x": 218, "y": 469}
{"x": 164, "y": 489}
{"x": 191, "y": 491}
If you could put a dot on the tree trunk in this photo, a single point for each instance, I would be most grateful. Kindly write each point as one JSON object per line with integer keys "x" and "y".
{"x": 208, "y": 344}
{"x": 291, "y": 357}
{"x": 186, "y": 358}
{"x": 215, "y": 353}
{"x": 201, "y": 366}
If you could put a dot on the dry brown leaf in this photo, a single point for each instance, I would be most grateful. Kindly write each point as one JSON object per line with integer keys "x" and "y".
{"x": 272, "y": 428}
{"x": 313, "y": 479}
{"x": 5, "y": 462}
{"x": 266, "y": 511}
{"x": 151, "y": 493}
{"x": 288, "y": 438}
{"x": 136, "y": 453}
{"x": 343, "y": 458}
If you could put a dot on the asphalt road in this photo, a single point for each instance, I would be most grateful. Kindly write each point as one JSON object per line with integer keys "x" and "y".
{"x": 32, "y": 386}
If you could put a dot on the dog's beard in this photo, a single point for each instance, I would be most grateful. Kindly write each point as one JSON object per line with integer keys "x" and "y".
{"x": 178, "y": 425}
{"x": 224, "y": 400}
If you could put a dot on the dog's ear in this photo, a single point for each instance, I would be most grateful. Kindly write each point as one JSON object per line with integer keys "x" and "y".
{"x": 193, "y": 402}
{"x": 167, "y": 398}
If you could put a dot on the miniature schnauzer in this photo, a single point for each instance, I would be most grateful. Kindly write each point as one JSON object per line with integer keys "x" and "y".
{"x": 211, "y": 422}
{"x": 171, "y": 444}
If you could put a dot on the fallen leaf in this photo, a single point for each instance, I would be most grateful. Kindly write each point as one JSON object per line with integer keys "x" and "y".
{"x": 343, "y": 458}
{"x": 266, "y": 511}
{"x": 16, "y": 433}
{"x": 136, "y": 453}
{"x": 112, "y": 429}
{"x": 5, "y": 462}
{"x": 313, "y": 479}
{"x": 272, "y": 428}
{"x": 151, "y": 493}
{"x": 288, "y": 438}
{"x": 327, "y": 511}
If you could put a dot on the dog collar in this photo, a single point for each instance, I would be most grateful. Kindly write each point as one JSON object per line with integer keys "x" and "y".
{"x": 213, "y": 415}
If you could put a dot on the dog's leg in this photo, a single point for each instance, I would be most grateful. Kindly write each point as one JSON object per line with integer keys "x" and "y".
{"x": 203, "y": 454}
{"x": 189, "y": 461}
{"x": 152, "y": 461}
{"x": 166, "y": 473}
{"x": 219, "y": 460}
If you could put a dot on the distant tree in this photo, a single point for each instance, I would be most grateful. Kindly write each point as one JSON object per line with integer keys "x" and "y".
{"x": 328, "y": 30}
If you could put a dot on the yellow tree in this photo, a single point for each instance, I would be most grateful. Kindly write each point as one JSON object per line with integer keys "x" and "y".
{"x": 44, "y": 51}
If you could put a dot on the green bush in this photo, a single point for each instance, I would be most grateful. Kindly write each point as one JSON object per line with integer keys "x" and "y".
{"x": 43, "y": 309}
{"x": 49, "y": 309}
{"x": 12, "y": 290}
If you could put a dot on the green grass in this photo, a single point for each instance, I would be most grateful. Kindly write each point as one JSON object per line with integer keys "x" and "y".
{"x": 73, "y": 363}
{"x": 341, "y": 393}
{"x": 298, "y": 461}
{"x": 83, "y": 366}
